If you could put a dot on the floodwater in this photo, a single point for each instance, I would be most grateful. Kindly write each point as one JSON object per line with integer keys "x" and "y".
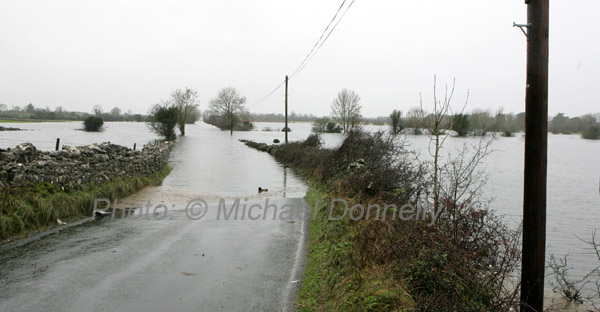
{"x": 211, "y": 164}
{"x": 44, "y": 134}
{"x": 170, "y": 258}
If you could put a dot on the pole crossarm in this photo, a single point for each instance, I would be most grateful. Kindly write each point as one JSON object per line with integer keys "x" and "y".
{"x": 523, "y": 27}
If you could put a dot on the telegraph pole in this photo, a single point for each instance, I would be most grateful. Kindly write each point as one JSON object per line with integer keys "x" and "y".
{"x": 536, "y": 150}
{"x": 286, "y": 110}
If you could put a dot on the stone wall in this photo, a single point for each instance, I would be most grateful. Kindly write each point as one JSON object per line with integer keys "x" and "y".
{"x": 73, "y": 167}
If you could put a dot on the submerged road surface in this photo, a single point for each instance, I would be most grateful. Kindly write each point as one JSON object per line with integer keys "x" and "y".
{"x": 170, "y": 261}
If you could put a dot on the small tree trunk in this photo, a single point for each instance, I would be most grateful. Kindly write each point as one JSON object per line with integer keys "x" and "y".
{"x": 435, "y": 174}
{"x": 182, "y": 129}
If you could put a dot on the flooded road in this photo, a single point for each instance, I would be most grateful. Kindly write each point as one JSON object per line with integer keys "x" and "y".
{"x": 211, "y": 164}
{"x": 169, "y": 260}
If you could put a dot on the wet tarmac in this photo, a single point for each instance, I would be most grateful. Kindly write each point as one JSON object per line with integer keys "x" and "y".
{"x": 169, "y": 261}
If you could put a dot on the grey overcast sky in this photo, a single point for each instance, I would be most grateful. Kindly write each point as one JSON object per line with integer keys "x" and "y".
{"x": 130, "y": 54}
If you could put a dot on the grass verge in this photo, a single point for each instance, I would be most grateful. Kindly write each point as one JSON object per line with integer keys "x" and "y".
{"x": 37, "y": 207}
{"x": 14, "y": 121}
{"x": 331, "y": 281}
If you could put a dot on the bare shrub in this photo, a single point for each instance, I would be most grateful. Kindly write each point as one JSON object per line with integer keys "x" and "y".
{"x": 580, "y": 290}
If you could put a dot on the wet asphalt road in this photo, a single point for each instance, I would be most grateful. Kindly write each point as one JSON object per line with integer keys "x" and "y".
{"x": 174, "y": 264}
{"x": 144, "y": 264}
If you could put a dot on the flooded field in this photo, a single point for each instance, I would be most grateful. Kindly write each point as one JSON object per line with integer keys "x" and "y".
{"x": 210, "y": 163}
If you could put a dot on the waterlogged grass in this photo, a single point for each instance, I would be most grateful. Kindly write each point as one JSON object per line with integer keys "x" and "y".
{"x": 14, "y": 121}
{"x": 331, "y": 279}
{"x": 37, "y": 207}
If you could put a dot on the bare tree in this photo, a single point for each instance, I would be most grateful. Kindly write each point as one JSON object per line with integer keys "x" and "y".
{"x": 185, "y": 101}
{"x": 436, "y": 125}
{"x": 413, "y": 120}
{"x": 97, "y": 110}
{"x": 586, "y": 288}
{"x": 489, "y": 246}
{"x": 229, "y": 104}
{"x": 481, "y": 121}
{"x": 346, "y": 109}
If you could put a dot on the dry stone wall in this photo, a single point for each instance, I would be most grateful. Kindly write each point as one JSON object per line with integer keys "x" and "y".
{"x": 73, "y": 167}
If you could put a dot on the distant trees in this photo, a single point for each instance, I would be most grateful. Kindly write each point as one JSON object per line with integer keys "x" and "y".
{"x": 59, "y": 113}
{"x": 591, "y": 132}
{"x": 116, "y": 112}
{"x": 559, "y": 124}
{"x": 460, "y": 124}
{"x": 226, "y": 110}
{"x": 413, "y": 120}
{"x": 162, "y": 119}
{"x": 508, "y": 127}
{"x": 30, "y": 108}
{"x": 377, "y": 121}
{"x": 481, "y": 121}
{"x": 93, "y": 123}
{"x": 325, "y": 125}
{"x": 97, "y": 110}
{"x": 346, "y": 110}
{"x": 193, "y": 115}
{"x": 272, "y": 117}
{"x": 588, "y": 125}
{"x": 186, "y": 102}
{"x": 396, "y": 121}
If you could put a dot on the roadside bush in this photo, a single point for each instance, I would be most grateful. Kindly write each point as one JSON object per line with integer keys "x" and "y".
{"x": 313, "y": 140}
{"x": 368, "y": 165}
{"x": 93, "y": 123}
{"x": 461, "y": 262}
{"x": 163, "y": 119}
{"x": 305, "y": 157}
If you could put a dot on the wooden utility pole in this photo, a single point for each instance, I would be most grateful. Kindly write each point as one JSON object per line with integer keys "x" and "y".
{"x": 286, "y": 110}
{"x": 536, "y": 150}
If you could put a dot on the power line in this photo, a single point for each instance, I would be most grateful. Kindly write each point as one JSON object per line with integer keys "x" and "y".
{"x": 323, "y": 42}
{"x": 266, "y": 96}
{"x": 316, "y": 47}
{"x": 319, "y": 40}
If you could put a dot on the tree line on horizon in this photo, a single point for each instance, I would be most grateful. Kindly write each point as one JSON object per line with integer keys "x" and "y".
{"x": 481, "y": 122}
{"x": 228, "y": 111}
{"x": 30, "y": 112}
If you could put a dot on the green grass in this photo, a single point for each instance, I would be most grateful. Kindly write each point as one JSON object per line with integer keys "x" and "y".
{"x": 15, "y": 121}
{"x": 36, "y": 207}
{"x": 25, "y": 120}
{"x": 331, "y": 279}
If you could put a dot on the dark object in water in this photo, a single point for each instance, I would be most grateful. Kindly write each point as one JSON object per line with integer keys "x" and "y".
{"x": 261, "y": 190}
{"x": 276, "y": 141}
{"x": 101, "y": 214}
